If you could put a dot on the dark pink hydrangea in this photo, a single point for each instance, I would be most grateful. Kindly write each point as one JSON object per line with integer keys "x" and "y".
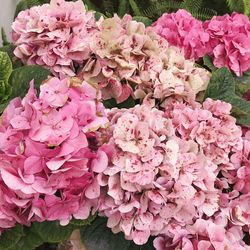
{"x": 181, "y": 29}
{"x": 230, "y": 41}
{"x": 48, "y": 155}
{"x": 54, "y": 35}
{"x": 157, "y": 177}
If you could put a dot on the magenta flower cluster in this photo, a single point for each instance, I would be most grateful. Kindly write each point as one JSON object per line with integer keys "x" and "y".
{"x": 47, "y": 153}
{"x": 181, "y": 29}
{"x": 225, "y": 38}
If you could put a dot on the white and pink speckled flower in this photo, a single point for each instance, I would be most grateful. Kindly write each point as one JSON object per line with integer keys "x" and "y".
{"x": 55, "y": 35}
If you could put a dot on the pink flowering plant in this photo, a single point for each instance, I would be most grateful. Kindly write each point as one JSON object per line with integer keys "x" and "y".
{"x": 121, "y": 132}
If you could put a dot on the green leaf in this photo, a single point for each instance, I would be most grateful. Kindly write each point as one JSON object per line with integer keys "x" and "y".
{"x": 52, "y": 231}
{"x": 111, "y": 103}
{"x": 5, "y": 66}
{"x": 192, "y": 5}
{"x": 9, "y": 238}
{"x": 46, "y": 232}
{"x": 222, "y": 86}
{"x": 143, "y": 19}
{"x": 3, "y": 106}
{"x": 81, "y": 223}
{"x": 243, "y": 84}
{"x": 135, "y": 8}
{"x": 98, "y": 236}
{"x": 29, "y": 241}
{"x": 90, "y": 5}
{"x": 9, "y": 49}
{"x": 21, "y": 77}
{"x": 208, "y": 63}
{"x": 4, "y": 37}
{"x": 123, "y": 7}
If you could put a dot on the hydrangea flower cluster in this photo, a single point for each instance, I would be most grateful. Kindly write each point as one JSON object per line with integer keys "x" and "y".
{"x": 225, "y": 38}
{"x": 55, "y": 35}
{"x": 47, "y": 153}
{"x": 230, "y": 41}
{"x": 163, "y": 171}
{"x": 132, "y": 60}
{"x": 170, "y": 167}
{"x": 181, "y": 29}
{"x": 203, "y": 234}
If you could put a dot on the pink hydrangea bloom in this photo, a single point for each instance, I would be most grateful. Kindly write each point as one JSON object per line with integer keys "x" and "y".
{"x": 230, "y": 41}
{"x": 155, "y": 177}
{"x": 241, "y": 160}
{"x": 211, "y": 126}
{"x": 203, "y": 234}
{"x": 181, "y": 29}
{"x": 54, "y": 35}
{"x": 49, "y": 155}
{"x": 132, "y": 60}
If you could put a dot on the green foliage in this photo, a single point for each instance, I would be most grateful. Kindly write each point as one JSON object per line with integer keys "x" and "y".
{"x": 10, "y": 238}
{"x": 98, "y": 236}
{"x": 143, "y": 19}
{"x": 21, "y": 77}
{"x": 135, "y": 8}
{"x": 5, "y": 72}
{"x": 4, "y": 37}
{"x": 111, "y": 103}
{"x": 243, "y": 84}
{"x": 242, "y": 6}
{"x": 9, "y": 49}
{"x": 222, "y": 86}
{"x": 123, "y": 7}
{"x": 196, "y": 8}
{"x": 5, "y": 67}
{"x": 28, "y": 238}
{"x": 208, "y": 63}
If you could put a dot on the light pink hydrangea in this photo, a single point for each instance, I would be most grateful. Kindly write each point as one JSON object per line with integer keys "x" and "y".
{"x": 49, "y": 155}
{"x": 241, "y": 159}
{"x": 203, "y": 234}
{"x": 129, "y": 59}
{"x": 181, "y": 29}
{"x": 54, "y": 35}
{"x": 230, "y": 41}
{"x": 155, "y": 177}
{"x": 211, "y": 126}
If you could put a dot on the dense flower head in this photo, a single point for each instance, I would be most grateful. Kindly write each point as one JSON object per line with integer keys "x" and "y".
{"x": 129, "y": 59}
{"x": 203, "y": 234}
{"x": 47, "y": 154}
{"x": 181, "y": 29}
{"x": 157, "y": 177}
{"x": 230, "y": 41}
{"x": 211, "y": 126}
{"x": 54, "y": 35}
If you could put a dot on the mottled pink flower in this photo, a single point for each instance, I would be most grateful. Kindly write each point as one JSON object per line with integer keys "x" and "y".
{"x": 181, "y": 29}
{"x": 48, "y": 153}
{"x": 154, "y": 177}
{"x": 131, "y": 60}
{"x": 203, "y": 234}
{"x": 55, "y": 35}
